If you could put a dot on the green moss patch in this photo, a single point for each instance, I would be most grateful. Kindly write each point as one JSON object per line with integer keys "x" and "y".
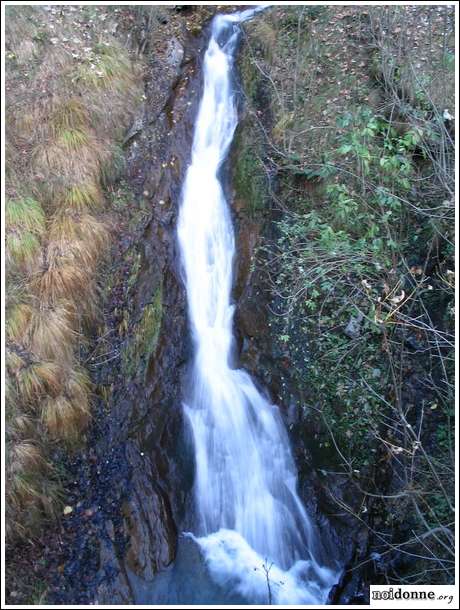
{"x": 143, "y": 337}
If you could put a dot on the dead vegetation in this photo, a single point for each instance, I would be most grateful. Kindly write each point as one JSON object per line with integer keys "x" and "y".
{"x": 71, "y": 88}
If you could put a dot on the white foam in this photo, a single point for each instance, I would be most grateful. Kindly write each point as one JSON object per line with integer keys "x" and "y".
{"x": 233, "y": 564}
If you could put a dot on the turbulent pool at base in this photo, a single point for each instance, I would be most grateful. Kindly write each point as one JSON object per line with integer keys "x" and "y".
{"x": 249, "y": 518}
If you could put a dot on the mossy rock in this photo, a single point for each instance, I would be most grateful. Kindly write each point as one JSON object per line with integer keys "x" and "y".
{"x": 144, "y": 337}
{"x": 249, "y": 179}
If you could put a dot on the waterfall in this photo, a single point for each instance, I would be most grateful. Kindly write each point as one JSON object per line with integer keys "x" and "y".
{"x": 249, "y": 516}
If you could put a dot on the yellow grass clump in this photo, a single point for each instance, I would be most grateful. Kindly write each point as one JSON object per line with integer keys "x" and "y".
{"x": 27, "y": 456}
{"x": 54, "y": 163}
{"x": 70, "y": 114}
{"x": 61, "y": 280}
{"x": 25, "y": 214}
{"x": 17, "y": 322}
{"x": 32, "y": 489}
{"x": 84, "y": 197}
{"x": 72, "y": 139}
{"x": 51, "y": 334}
{"x": 67, "y": 276}
{"x": 62, "y": 130}
{"x": 67, "y": 415}
{"x": 25, "y": 224}
{"x": 75, "y": 226}
{"x": 77, "y": 252}
{"x": 22, "y": 426}
{"x": 77, "y": 238}
{"x": 38, "y": 379}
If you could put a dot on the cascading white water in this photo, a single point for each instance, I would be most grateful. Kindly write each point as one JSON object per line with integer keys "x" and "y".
{"x": 245, "y": 483}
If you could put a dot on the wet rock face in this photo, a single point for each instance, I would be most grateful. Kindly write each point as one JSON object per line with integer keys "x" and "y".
{"x": 187, "y": 582}
{"x": 157, "y": 159}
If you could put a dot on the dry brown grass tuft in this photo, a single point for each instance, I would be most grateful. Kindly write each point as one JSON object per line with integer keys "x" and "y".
{"x": 52, "y": 118}
{"x": 22, "y": 426}
{"x": 37, "y": 379}
{"x": 65, "y": 113}
{"x": 27, "y": 456}
{"x": 32, "y": 489}
{"x": 70, "y": 225}
{"x": 54, "y": 163}
{"x": 78, "y": 252}
{"x": 67, "y": 415}
{"x": 105, "y": 67}
{"x": 67, "y": 278}
{"x": 14, "y": 361}
{"x": 70, "y": 114}
{"x": 23, "y": 489}
{"x": 65, "y": 418}
{"x": 51, "y": 334}
{"x": 60, "y": 279}
{"x": 84, "y": 197}
{"x": 17, "y": 322}
{"x": 78, "y": 384}
{"x": 48, "y": 335}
